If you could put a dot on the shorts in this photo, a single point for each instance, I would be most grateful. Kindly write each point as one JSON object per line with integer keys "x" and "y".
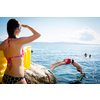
{"x": 10, "y": 79}
{"x": 68, "y": 61}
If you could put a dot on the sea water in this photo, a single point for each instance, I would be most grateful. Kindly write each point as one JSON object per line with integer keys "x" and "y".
{"x": 47, "y": 53}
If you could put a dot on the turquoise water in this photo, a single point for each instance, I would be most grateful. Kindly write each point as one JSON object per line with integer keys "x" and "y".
{"x": 47, "y": 53}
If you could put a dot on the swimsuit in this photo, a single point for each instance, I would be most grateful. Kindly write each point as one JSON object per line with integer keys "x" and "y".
{"x": 9, "y": 59}
{"x": 68, "y": 61}
{"x": 10, "y": 79}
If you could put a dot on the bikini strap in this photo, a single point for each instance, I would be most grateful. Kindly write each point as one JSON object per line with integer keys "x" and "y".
{"x": 8, "y": 62}
{"x": 18, "y": 56}
{"x": 22, "y": 52}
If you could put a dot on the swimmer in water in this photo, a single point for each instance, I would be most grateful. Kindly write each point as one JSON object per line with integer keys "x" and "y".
{"x": 85, "y": 54}
{"x": 89, "y": 56}
{"x": 66, "y": 62}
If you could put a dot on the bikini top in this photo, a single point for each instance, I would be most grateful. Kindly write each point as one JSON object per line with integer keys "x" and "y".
{"x": 9, "y": 59}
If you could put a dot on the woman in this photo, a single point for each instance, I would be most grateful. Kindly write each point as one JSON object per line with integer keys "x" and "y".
{"x": 13, "y": 51}
{"x": 66, "y": 62}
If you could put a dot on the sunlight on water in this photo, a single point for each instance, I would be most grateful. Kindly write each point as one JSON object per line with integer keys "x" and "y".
{"x": 47, "y": 53}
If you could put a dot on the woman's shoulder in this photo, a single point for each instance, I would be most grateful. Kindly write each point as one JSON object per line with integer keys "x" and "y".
{"x": 2, "y": 45}
{"x": 16, "y": 42}
{"x": 3, "y": 42}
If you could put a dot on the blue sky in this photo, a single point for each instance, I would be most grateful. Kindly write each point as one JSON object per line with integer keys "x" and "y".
{"x": 58, "y": 29}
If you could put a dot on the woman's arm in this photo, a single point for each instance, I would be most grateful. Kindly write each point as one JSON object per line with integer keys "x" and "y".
{"x": 25, "y": 40}
{"x": 1, "y": 46}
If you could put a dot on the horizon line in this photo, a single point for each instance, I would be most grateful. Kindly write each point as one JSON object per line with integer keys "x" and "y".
{"x": 63, "y": 42}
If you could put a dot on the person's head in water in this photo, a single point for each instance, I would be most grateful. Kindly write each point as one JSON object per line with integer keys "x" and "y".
{"x": 13, "y": 28}
{"x": 89, "y": 56}
{"x": 85, "y": 54}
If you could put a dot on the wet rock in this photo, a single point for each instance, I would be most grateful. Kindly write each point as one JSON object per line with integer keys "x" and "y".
{"x": 38, "y": 74}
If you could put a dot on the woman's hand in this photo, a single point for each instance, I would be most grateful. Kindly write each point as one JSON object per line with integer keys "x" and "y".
{"x": 25, "y": 40}
{"x": 25, "y": 26}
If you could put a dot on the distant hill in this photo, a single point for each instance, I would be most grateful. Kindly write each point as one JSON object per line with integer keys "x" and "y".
{"x": 69, "y": 43}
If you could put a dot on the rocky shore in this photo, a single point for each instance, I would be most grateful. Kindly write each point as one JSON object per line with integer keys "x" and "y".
{"x": 38, "y": 74}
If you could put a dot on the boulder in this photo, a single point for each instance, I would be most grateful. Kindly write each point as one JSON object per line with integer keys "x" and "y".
{"x": 38, "y": 74}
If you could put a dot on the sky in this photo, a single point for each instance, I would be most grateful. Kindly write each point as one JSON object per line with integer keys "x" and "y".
{"x": 81, "y": 24}
{"x": 58, "y": 29}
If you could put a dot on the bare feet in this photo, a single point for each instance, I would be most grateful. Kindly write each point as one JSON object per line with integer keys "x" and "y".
{"x": 52, "y": 66}
{"x": 83, "y": 73}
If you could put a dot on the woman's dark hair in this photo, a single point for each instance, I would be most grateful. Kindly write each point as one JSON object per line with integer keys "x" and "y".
{"x": 11, "y": 26}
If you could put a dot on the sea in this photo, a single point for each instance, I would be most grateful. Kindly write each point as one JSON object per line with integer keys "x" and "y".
{"x": 47, "y": 53}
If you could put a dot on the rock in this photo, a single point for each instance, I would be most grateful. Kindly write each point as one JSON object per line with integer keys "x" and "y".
{"x": 38, "y": 74}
